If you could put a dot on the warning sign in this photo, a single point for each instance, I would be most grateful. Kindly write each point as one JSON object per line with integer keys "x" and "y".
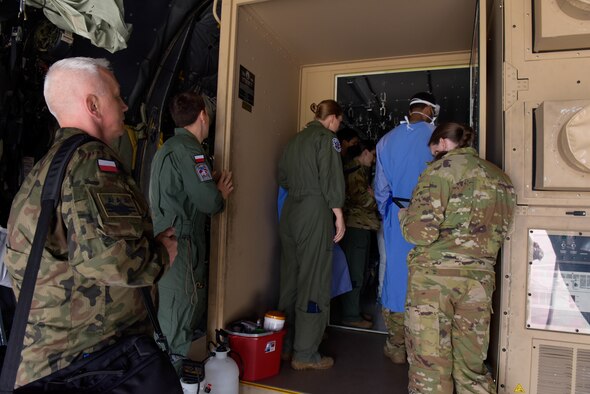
{"x": 519, "y": 389}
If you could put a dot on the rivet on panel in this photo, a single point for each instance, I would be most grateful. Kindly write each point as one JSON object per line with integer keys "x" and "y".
{"x": 578, "y": 81}
{"x": 514, "y": 26}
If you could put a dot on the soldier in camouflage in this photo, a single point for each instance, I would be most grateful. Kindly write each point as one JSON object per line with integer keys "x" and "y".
{"x": 361, "y": 216}
{"x": 461, "y": 211}
{"x": 100, "y": 247}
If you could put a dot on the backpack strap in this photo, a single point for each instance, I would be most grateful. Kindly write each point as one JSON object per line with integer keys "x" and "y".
{"x": 50, "y": 198}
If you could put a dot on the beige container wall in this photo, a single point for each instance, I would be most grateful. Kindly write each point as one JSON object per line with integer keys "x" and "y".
{"x": 529, "y": 79}
{"x": 247, "y": 284}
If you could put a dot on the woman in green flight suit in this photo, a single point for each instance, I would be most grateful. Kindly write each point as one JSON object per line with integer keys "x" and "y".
{"x": 311, "y": 171}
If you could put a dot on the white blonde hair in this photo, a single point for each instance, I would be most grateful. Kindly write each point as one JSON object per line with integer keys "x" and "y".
{"x": 65, "y": 74}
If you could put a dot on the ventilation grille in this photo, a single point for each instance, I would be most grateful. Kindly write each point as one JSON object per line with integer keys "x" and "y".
{"x": 583, "y": 372}
{"x": 555, "y": 370}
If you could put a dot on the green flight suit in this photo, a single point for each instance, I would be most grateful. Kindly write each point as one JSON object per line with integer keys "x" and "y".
{"x": 183, "y": 194}
{"x": 311, "y": 171}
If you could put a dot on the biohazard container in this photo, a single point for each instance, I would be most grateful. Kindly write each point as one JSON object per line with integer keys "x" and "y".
{"x": 259, "y": 355}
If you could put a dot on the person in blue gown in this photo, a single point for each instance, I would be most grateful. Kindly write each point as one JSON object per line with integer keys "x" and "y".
{"x": 402, "y": 155}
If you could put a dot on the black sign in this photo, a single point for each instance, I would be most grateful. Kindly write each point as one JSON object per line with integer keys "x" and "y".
{"x": 246, "y": 92}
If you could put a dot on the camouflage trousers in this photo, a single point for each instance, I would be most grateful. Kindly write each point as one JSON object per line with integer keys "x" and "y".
{"x": 447, "y": 326}
{"x": 395, "y": 345}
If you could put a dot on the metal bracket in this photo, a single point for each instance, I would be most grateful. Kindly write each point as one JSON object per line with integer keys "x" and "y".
{"x": 512, "y": 85}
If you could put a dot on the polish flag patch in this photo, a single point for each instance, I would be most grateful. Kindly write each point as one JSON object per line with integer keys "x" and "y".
{"x": 107, "y": 166}
{"x": 199, "y": 158}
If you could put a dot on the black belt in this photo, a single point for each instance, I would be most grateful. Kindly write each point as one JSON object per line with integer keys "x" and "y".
{"x": 399, "y": 200}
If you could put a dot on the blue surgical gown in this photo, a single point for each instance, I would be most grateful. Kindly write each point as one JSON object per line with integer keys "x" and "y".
{"x": 402, "y": 155}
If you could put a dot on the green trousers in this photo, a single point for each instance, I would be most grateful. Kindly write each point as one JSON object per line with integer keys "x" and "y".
{"x": 306, "y": 230}
{"x": 183, "y": 297}
{"x": 356, "y": 246}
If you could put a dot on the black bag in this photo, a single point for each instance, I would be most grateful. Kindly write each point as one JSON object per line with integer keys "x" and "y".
{"x": 134, "y": 364}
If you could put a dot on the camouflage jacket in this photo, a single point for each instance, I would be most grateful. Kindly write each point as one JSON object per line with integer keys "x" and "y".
{"x": 360, "y": 207}
{"x": 99, "y": 249}
{"x": 461, "y": 211}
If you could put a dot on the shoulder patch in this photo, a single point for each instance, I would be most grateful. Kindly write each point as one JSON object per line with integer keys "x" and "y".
{"x": 203, "y": 172}
{"x": 118, "y": 205}
{"x": 336, "y": 144}
{"x": 199, "y": 158}
{"x": 107, "y": 166}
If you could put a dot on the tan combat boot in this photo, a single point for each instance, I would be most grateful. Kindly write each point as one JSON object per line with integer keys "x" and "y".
{"x": 324, "y": 363}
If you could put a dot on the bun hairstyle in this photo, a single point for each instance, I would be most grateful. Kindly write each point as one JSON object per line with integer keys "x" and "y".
{"x": 460, "y": 134}
{"x": 325, "y": 109}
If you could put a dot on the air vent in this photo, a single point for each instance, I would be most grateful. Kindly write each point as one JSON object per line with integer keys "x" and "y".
{"x": 555, "y": 369}
{"x": 583, "y": 372}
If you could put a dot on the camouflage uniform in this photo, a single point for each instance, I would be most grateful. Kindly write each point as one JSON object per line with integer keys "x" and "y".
{"x": 361, "y": 216}
{"x": 98, "y": 251}
{"x": 460, "y": 213}
{"x": 311, "y": 170}
{"x": 183, "y": 194}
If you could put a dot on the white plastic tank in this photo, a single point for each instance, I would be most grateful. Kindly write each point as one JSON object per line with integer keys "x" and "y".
{"x": 221, "y": 373}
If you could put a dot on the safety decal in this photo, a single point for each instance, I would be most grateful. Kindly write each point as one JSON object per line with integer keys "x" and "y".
{"x": 203, "y": 172}
{"x": 107, "y": 166}
{"x": 118, "y": 205}
{"x": 199, "y": 159}
{"x": 270, "y": 347}
{"x": 519, "y": 389}
{"x": 336, "y": 144}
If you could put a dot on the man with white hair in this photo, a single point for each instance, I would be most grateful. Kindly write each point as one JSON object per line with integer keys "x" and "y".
{"x": 100, "y": 247}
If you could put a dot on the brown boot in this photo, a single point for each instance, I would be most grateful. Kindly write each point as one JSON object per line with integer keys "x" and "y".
{"x": 359, "y": 324}
{"x": 324, "y": 363}
{"x": 396, "y": 358}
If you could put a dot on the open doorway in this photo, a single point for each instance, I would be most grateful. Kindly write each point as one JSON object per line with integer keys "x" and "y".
{"x": 373, "y": 105}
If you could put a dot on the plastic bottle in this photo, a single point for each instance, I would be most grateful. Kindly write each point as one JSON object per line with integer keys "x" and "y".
{"x": 221, "y": 373}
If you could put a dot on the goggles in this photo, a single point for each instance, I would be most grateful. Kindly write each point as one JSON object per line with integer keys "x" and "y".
{"x": 436, "y": 107}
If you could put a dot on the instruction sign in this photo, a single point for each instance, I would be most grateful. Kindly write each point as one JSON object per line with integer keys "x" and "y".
{"x": 246, "y": 88}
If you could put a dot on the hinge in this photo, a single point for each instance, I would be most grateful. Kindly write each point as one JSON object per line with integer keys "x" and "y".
{"x": 512, "y": 85}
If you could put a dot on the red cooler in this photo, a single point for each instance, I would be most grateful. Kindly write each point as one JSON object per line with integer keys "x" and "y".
{"x": 259, "y": 354}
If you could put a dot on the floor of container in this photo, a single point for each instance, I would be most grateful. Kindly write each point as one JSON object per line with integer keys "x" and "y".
{"x": 360, "y": 367}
